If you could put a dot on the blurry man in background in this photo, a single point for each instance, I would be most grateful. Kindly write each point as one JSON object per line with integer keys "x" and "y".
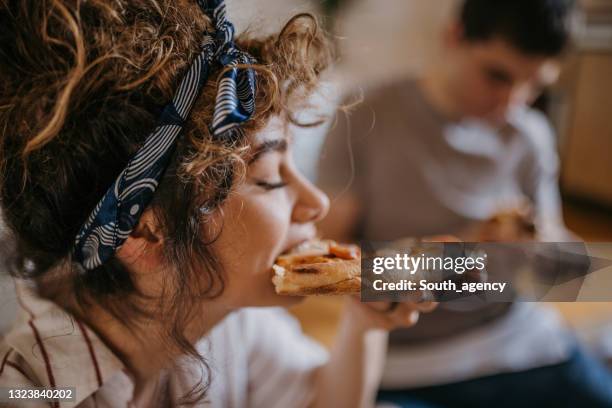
{"x": 442, "y": 154}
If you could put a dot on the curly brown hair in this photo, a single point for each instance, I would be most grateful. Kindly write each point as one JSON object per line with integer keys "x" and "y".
{"x": 81, "y": 85}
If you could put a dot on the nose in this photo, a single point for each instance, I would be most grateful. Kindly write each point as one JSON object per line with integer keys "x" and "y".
{"x": 312, "y": 204}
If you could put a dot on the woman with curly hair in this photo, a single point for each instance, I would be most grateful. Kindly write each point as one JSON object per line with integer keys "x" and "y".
{"x": 148, "y": 182}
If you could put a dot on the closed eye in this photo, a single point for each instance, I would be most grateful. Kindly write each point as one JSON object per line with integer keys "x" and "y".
{"x": 270, "y": 186}
{"x": 265, "y": 166}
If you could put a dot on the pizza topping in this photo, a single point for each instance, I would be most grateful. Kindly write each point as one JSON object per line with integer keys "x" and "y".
{"x": 307, "y": 254}
{"x": 294, "y": 260}
{"x": 306, "y": 269}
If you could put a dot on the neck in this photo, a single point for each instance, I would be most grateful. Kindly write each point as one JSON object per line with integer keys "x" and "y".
{"x": 142, "y": 343}
{"x": 144, "y": 347}
{"x": 139, "y": 346}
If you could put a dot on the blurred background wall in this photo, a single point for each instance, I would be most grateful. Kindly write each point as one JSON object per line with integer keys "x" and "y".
{"x": 381, "y": 41}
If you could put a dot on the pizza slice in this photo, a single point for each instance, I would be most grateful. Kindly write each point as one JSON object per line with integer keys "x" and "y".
{"x": 318, "y": 267}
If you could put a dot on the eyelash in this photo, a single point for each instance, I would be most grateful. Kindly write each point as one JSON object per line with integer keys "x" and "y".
{"x": 270, "y": 186}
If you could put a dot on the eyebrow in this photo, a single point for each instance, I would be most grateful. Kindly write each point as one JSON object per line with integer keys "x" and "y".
{"x": 275, "y": 145}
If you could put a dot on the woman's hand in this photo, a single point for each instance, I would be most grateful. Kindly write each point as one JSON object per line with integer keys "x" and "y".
{"x": 385, "y": 315}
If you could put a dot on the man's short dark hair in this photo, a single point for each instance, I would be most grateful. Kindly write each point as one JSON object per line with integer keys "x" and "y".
{"x": 535, "y": 27}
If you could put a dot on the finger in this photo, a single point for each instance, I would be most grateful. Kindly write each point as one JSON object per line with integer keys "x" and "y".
{"x": 380, "y": 307}
{"x": 406, "y": 317}
{"x": 413, "y": 318}
{"x": 426, "y": 306}
{"x": 392, "y": 307}
{"x": 404, "y": 314}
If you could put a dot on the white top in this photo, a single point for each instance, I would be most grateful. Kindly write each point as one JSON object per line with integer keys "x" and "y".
{"x": 257, "y": 358}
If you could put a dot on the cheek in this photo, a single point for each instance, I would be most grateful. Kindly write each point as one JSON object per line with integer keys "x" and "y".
{"x": 481, "y": 87}
{"x": 482, "y": 94}
{"x": 254, "y": 233}
{"x": 262, "y": 228}
{"x": 473, "y": 88}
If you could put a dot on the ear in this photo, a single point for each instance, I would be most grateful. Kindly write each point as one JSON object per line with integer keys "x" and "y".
{"x": 143, "y": 247}
{"x": 452, "y": 36}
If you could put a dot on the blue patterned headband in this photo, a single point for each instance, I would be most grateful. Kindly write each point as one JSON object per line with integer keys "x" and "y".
{"x": 118, "y": 212}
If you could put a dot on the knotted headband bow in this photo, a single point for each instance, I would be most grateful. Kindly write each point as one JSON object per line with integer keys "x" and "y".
{"x": 117, "y": 213}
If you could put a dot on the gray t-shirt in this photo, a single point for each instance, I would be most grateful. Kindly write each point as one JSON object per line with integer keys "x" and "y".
{"x": 415, "y": 173}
